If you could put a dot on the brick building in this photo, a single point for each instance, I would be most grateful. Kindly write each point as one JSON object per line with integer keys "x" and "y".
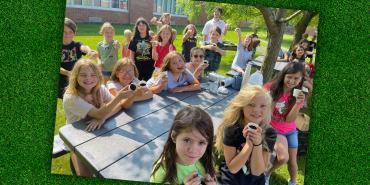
{"x": 125, "y": 11}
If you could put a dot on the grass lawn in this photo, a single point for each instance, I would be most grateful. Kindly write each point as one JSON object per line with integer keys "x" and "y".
{"x": 89, "y": 35}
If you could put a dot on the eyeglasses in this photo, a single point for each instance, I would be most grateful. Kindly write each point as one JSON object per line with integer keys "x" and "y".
{"x": 200, "y": 56}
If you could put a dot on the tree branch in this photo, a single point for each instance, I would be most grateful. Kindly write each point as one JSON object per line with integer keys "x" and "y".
{"x": 286, "y": 19}
{"x": 268, "y": 17}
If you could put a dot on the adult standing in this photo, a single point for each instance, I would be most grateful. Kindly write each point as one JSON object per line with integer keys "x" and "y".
{"x": 216, "y": 21}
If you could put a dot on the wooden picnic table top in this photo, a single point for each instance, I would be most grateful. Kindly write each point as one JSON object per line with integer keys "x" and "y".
{"x": 258, "y": 61}
{"x": 128, "y": 143}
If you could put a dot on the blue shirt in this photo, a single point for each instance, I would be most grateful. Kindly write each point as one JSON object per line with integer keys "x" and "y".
{"x": 241, "y": 58}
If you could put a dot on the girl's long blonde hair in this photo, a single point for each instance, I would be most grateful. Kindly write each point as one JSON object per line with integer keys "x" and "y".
{"x": 75, "y": 88}
{"x": 234, "y": 112}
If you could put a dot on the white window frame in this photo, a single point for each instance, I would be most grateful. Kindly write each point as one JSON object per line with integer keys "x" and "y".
{"x": 93, "y": 7}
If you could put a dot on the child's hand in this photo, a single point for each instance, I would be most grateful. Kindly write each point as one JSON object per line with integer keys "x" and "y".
{"x": 192, "y": 179}
{"x": 208, "y": 180}
{"x": 125, "y": 93}
{"x": 255, "y": 135}
{"x": 94, "y": 124}
{"x": 237, "y": 30}
{"x": 204, "y": 66}
{"x": 153, "y": 20}
{"x": 139, "y": 92}
{"x": 116, "y": 44}
{"x": 300, "y": 98}
{"x": 163, "y": 81}
{"x": 92, "y": 54}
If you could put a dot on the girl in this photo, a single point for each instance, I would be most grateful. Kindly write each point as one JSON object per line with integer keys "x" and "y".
{"x": 285, "y": 111}
{"x": 141, "y": 49}
{"x": 189, "y": 41}
{"x": 108, "y": 50}
{"x": 187, "y": 154}
{"x": 298, "y": 54}
{"x": 126, "y": 42}
{"x": 196, "y": 65}
{"x": 71, "y": 52}
{"x": 165, "y": 19}
{"x": 173, "y": 76}
{"x": 86, "y": 97}
{"x": 243, "y": 54}
{"x": 163, "y": 46}
{"x": 246, "y": 150}
{"x": 213, "y": 50}
{"x": 124, "y": 73}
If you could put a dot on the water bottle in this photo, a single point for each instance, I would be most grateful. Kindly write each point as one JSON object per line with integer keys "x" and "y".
{"x": 246, "y": 74}
{"x": 227, "y": 81}
{"x": 256, "y": 78}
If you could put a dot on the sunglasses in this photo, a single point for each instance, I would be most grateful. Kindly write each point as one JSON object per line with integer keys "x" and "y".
{"x": 200, "y": 56}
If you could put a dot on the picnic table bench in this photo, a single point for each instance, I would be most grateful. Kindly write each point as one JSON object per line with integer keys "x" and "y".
{"x": 128, "y": 143}
{"x": 258, "y": 61}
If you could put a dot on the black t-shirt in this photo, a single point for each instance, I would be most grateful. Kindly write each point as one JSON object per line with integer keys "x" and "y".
{"x": 190, "y": 43}
{"x": 70, "y": 54}
{"x": 214, "y": 58}
{"x": 142, "y": 49}
{"x": 233, "y": 136}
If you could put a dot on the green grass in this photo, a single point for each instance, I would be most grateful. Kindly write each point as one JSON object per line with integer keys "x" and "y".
{"x": 89, "y": 35}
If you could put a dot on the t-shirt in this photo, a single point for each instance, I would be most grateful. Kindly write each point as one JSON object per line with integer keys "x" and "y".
{"x": 214, "y": 58}
{"x": 76, "y": 108}
{"x": 143, "y": 56}
{"x": 185, "y": 79}
{"x": 70, "y": 54}
{"x": 182, "y": 172}
{"x": 118, "y": 86}
{"x": 162, "y": 51}
{"x": 241, "y": 58}
{"x": 190, "y": 43}
{"x": 281, "y": 111}
{"x": 211, "y": 24}
{"x": 108, "y": 54}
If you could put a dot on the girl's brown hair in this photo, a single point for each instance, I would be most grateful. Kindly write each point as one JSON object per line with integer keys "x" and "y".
{"x": 187, "y": 119}
{"x": 120, "y": 64}
{"x": 75, "y": 88}
{"x": 188, "y": 27}
{"x": 169, "y": 28}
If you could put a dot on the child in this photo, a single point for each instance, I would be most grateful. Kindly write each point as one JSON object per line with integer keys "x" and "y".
{"x": 165, "y": 19}
{"x": 189, "y": 41}
{"x": 196, "y": 65}
{"x": 285, "y": 111}
{"x": 246, "y": 150}
{"x": 243, "y": 54}
{"x": 86, "y": 97}
{"x": 173, "y": 76}
{"x": 214, "y": 50}
{"x": 163, "y": 46}
{"x": 126, "y": 43}
{"x": 187, "y": 154}
{"x": 141, "y": 49}
{"x": 298, "y": 54}
{"x": 124, "y": 73}
{"x": 71, "y": 52}
{"x": 108, "y": 50}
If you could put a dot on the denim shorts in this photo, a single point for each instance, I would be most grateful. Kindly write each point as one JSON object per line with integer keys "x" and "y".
{"x": 107, "y": 73}
{"x": 292, "y": 138}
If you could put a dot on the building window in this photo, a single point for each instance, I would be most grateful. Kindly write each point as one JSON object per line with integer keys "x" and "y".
{"x": 99, "y": 4}
{"x": 166, "y": 6}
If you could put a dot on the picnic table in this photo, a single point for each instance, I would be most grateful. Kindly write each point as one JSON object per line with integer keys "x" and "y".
{"x": 258, "y": 61}
{"x": 127, "y": 145}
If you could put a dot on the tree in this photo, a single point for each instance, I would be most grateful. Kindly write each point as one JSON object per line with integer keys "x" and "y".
{"x": 301, "y": 26}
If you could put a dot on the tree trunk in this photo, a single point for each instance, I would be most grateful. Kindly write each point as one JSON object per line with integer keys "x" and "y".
{"x": 273, "y": 48}
{"x": 301, "y": 26}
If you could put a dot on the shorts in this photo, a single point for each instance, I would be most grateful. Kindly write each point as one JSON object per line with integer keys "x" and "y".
{"x": 292, "y": 138}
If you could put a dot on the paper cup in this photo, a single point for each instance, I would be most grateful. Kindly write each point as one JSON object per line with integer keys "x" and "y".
{"x": 296, "y": 92}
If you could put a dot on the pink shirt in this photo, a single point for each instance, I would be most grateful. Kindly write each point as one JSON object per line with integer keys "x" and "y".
{"x": 281, "y": 111}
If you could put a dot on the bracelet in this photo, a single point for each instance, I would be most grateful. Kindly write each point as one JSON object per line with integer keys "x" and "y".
{"x": 258, "y": 144}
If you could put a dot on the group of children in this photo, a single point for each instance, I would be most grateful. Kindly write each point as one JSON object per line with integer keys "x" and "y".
{"x": 96, "y": 88}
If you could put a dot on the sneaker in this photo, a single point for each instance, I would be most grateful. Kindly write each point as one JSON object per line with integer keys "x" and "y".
{"x": 292, "y": 183}
{"x": 267, "y": 179}
{"x": 223, "y": 90}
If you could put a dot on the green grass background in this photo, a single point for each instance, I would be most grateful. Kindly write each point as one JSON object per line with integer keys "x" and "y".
{"x": 31, "y": 32}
